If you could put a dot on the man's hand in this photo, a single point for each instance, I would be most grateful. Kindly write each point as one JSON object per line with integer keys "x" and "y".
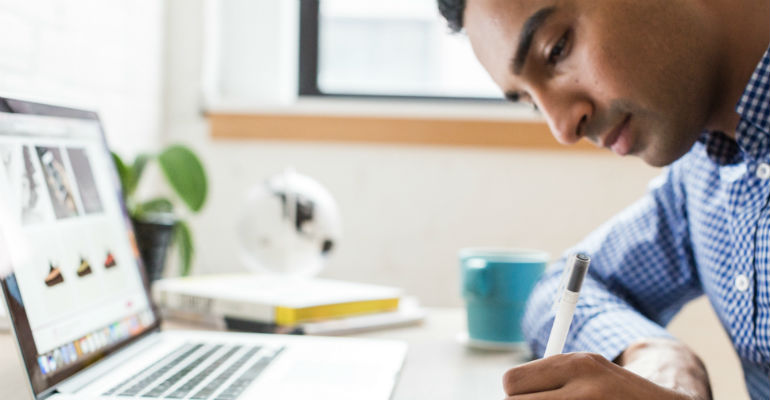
{"x": 591, "y": 376}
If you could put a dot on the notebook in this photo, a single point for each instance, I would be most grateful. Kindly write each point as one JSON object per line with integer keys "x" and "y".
{"x": 79, "y": 301}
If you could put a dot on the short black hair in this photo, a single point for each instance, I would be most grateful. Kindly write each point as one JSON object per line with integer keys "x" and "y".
{"x": 452, "y": 10}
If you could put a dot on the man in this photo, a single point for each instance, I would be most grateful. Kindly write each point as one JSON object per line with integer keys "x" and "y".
{"x": 682, "y": 83}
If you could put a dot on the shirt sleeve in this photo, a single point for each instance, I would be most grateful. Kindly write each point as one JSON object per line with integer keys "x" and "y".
{"x": 642, "y": 272}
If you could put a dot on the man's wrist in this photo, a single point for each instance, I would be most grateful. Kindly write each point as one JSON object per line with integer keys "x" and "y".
{"x": 670, "y": 364}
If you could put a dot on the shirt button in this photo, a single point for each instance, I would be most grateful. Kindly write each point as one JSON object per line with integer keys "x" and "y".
{"x": 741, "y": 283}
{"x": 763, "y": 171}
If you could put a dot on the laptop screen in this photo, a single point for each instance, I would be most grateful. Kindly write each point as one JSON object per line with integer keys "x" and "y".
{"x": 69, "y": 266}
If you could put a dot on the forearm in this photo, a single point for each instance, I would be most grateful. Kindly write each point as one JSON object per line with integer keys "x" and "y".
{"x": 670, "y": 364}
{"x": 603, "y": 323}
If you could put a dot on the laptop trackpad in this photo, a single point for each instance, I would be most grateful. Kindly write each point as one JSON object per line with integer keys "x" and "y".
{"x": 335, "y": 373}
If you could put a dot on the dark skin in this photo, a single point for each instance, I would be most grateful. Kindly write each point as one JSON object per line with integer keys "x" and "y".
{"x": 671, "y": 68}
{"x": 642, "y": 78}
{"x": 677, "y": 372}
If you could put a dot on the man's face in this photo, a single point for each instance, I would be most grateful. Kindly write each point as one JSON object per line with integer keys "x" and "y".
{"x": 630, "y": 75}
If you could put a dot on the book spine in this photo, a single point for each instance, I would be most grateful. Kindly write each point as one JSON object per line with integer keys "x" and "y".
{"x": 287, "y": 316}
{"x": 216, "y": 307}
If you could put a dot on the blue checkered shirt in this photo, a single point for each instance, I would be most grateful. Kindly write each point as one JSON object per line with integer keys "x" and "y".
{"x": 703, "y": 227}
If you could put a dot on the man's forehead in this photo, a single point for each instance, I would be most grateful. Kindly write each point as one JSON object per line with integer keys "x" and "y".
{"x": 510, "y": 13}
{"x": 494, "y": 28}
{"x": 515, "y": 12}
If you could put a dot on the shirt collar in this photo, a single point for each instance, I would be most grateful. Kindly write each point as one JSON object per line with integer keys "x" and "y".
{"x": 754, "y": 105}
{"x": 720, "y": 148}
{"x": 752, "y": 136}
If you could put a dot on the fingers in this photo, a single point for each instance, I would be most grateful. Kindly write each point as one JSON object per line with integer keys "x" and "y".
{"x": 535, "y": 376}
{"x": 549, "y": 374}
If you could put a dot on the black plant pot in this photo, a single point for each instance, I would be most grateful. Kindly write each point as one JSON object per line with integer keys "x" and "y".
{"x": 153, "y": 236}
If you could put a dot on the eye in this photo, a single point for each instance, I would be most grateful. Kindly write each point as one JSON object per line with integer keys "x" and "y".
{"x": 519, "y": 97}
{"x": 513, "y": 97}
{"x": 559, "y": 49}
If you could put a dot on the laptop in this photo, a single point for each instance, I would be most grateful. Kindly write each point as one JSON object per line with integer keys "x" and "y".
{"x": 79, "y": 301}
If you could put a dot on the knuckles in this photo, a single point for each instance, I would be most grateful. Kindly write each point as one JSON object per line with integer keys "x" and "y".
{"x": 510, "y": 378}
{"x": 590, "y": 361}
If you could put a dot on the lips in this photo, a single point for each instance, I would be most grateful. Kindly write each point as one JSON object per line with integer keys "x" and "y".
{"x": 611, "y": 141}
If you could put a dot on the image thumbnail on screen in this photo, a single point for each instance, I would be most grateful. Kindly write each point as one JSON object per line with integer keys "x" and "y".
{"x": 59, "y": 186}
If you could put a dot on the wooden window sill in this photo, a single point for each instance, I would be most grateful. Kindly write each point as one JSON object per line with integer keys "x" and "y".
{"x": 383, "y": 125}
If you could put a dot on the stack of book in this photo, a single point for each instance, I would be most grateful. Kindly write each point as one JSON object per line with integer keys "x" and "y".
{"x": 278, "y": 304}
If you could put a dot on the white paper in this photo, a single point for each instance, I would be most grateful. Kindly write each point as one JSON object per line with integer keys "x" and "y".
{"x": 276, "y": 290}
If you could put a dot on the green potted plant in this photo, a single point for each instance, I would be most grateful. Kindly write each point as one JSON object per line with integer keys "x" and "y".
{"x": 156, "y": 223}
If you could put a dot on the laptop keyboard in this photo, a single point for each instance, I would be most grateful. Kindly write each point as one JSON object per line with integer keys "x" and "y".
{"x": 188, "y": 387}
{"x": 199, "y": 371}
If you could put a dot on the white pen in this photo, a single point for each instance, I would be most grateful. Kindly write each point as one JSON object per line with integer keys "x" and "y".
{"x": 576, "y": 269}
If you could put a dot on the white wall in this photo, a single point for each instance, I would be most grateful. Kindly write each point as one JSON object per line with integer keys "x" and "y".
{"x": 103, "y": 55}
{"x": 407, "y": 210}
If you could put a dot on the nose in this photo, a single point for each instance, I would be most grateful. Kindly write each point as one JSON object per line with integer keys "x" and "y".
{"x": 567, "y": 116}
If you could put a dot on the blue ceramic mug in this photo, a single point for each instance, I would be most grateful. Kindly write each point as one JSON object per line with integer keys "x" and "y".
{"x": 496, "y": 283}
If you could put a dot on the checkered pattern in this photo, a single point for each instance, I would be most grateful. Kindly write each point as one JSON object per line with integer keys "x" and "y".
{"x": 704, "y": 227}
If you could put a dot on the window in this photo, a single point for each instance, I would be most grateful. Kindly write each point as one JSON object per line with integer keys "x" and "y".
{"x": 395, "y": 48}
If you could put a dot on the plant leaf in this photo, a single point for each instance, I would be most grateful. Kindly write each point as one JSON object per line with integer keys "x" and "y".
{"x": 136, "y": 171}
{"x": 185, "y": 174}
{"x": 158, "y": 204}
{"x": 183, "y": 238}
{"x": 123, "y": 172}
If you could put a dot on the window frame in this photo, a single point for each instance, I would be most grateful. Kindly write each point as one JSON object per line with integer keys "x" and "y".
{"x": 307, "y": 80}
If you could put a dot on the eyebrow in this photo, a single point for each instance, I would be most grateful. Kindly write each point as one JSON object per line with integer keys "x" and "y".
{"x": 528, "y": 32}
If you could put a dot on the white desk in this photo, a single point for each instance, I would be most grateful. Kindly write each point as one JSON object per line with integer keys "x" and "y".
{"x": 437, "y": 366}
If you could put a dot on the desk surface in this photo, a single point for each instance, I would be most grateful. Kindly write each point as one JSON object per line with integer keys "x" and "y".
{"x": 437, "y": 366}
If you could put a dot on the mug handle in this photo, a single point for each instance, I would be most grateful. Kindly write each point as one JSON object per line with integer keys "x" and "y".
{"x": 476, "y": 278}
